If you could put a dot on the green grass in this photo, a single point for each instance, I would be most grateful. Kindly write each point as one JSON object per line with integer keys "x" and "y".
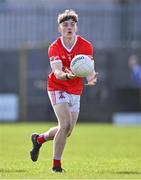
{"x": 93, "y": 151}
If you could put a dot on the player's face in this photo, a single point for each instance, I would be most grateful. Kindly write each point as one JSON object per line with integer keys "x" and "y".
{"x": 68, "y": 28}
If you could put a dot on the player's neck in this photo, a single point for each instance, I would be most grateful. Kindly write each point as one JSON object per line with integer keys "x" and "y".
{"x": 69, "y": 42}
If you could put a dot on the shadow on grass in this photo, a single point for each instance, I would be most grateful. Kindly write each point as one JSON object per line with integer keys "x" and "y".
{"x": 127, "y": 172}
{"x": 123, "y": 172}
{"x": 12, "y": 170}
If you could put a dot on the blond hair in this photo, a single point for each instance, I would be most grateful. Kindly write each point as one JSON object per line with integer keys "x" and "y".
{"x": 66, "y": 15}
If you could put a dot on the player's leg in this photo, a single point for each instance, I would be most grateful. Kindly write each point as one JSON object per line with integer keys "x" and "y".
{"x": 73, "y": 122}
{"x": 39, "y": 139}
{"x": 63, "y": 115}
{"x": 73, "y": 111}
{"x": 74, "y": 108}
{"x": 48, "y": 135}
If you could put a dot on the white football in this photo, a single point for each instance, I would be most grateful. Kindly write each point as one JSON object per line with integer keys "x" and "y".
{"x": 81, "y": 65}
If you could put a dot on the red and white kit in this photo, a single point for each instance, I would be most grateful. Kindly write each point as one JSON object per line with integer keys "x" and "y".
{"x": 58, "y": 52}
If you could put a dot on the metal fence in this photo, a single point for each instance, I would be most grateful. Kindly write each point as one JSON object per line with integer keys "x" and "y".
{"x": 117, "y": 26}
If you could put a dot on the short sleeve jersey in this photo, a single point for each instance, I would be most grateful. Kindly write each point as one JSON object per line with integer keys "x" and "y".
{"x": 58, "y": 52}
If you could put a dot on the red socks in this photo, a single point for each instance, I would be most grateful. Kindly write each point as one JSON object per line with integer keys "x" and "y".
{"x": 41, "y": 139}
{"x": 56, "y": 163}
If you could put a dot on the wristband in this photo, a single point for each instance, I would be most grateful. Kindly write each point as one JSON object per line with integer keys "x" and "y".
{"x": 67, "y": 77}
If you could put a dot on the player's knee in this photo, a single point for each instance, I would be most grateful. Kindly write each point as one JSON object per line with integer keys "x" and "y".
{"x": 65, "y": 127}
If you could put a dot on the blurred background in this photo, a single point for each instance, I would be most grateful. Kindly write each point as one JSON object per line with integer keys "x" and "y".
{"x": 28, "y": 27}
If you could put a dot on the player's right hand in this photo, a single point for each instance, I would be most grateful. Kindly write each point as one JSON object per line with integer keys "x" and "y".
{"x": 70, "y": 75}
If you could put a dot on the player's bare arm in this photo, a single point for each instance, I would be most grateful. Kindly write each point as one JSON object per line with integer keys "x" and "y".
{"x": 59, "y": 73}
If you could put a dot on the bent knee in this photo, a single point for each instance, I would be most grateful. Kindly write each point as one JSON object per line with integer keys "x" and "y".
{"x": 65, "y": 127}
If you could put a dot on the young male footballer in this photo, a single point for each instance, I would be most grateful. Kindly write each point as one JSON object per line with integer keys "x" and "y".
{"x": 64, "y": 88}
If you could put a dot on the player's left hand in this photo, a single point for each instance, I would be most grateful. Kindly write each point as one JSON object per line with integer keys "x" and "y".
{"x": 92, "y": 80}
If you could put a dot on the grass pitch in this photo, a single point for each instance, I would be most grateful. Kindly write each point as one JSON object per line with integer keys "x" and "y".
{"x": 93, "y": 151}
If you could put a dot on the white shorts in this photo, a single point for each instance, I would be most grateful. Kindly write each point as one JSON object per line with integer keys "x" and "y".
{"x": 57, "y": 97}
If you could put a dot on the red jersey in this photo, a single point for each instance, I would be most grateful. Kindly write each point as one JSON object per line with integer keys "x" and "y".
{"x": 58, "y": 52}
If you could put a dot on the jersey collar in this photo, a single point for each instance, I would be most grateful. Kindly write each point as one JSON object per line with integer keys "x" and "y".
{"x": 69, "y": 50}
